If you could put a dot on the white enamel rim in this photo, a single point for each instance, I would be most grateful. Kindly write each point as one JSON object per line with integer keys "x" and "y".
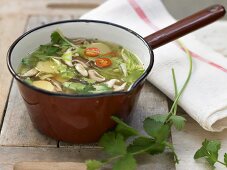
{"x": 135, "y": 84}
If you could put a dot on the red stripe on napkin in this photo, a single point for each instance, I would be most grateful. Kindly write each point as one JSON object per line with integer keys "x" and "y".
{"x": 139, "y": 11}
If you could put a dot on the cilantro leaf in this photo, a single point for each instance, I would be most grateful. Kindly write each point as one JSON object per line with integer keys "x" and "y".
{"x": 93, "y": 164}
{"x": 213, "y": 146}
{"x": 178, "y": 121}
{"x": 127, "y": 162}
{"x": 200, "y": 153}
{"x": 146, "y": 145}
{"x": 77, "y": 87}
{"x": 151, "y": 127}
{"x": 48, "y": 50}
{"x": 29, "y": 62}
{"x": 43, "y": 53}
{"x": 157, "y": 130}
{"x": 88, "y": 88}
{"x": 163, "y": 133}
{"x": 100, "y": 88}
{"x": 140, "y": 143}
{"x": 124, "y": 129}
{"x": 225, "y": 159}
{"x": 159, "y": 117}
{"x": 113, "y": 143}
{"x": 58, "y": 38}
{"x": 209, "y": 151}
{"x": 157, "y": 148}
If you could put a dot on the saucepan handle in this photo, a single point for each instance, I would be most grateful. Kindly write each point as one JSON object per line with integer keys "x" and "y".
{"x": 185, "y": 26}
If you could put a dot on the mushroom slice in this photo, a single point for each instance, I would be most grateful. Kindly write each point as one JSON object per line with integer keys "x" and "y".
{"x": 79, "y": 41}
{"x": 111, "y": 82}
{"x": 57, "y": 85}
{"x": 119, "y": 88}
{"x": 30, "y": 73}
{"x": 96, "y": 76}
{"x": 80, "y": 68}
{"x": 46, "y": 85}
{"x": 81, "y": 62}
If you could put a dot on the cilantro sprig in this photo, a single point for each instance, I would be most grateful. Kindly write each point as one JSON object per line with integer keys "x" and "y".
{"x": 209, "y": 151}
{"x": 121, "y": 153}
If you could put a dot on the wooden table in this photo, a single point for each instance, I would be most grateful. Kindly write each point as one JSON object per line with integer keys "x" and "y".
{"x": 19, "y": 141}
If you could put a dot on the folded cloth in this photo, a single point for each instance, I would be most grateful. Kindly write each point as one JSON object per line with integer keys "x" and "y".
{"x": 205, "y": 98}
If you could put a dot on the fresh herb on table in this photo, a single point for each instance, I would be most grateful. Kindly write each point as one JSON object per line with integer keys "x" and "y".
{"x": 122, "y": 154}
{"x": 209, "y": 151}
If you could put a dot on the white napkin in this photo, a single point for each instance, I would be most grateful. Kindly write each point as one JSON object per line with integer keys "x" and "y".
{"x": 205, "y": 98}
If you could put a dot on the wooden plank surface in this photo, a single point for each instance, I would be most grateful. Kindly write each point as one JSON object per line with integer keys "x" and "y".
{"x": 38, "y": 20}
{"x": 17, "y": 129}
{"x": 49, "y": 166}
{"x": 46, "y": 7}
{"x": 11, "y": 155}
{"x": 8, "y": 34}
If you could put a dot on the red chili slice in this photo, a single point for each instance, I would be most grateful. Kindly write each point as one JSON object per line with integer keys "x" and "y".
{"x": 112, "y": 54}
{"x": 92, "y": 52}
{"x": 103, "y": 62}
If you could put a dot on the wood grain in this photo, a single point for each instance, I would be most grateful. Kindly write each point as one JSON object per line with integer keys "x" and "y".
{"x": 72, "y": 5}
{"x": 8, "y": 34}
{"x": 17, "y": 129}
{"x": 45, "y": 7}
{"x": 49, "y": 166}
{"x": 11, "y": 155}
{"x": 38, "y": 20}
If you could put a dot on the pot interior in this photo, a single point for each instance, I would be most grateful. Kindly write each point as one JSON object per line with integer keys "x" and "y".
{"x": 74, "y": 29}
{"x": 28, "y": 42}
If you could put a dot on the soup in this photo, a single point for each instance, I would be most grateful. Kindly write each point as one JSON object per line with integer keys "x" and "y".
{"x": 80, "y": 66}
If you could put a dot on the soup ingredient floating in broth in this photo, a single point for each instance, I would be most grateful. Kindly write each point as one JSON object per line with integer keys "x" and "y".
{"x": 80, "y": 66}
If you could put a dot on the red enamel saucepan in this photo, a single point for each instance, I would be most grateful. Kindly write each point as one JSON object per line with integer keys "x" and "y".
{"x": 84, "y": 118}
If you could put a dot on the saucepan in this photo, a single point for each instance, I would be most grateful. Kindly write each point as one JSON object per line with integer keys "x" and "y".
{"x": 84, "y": 118}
